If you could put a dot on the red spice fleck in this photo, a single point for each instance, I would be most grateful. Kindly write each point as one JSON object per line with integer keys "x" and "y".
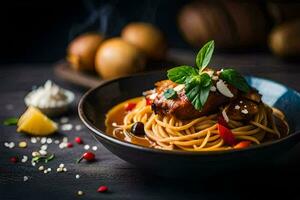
{"x": 148, "y": 101}
{"x": 130, "y": 106}
{"x": 88, "y": 156}
{"x": 78, "y": 140}
{"x": 69, "y": 145}
{"x": 102, "y": 188}
{"x": 13, "y": 159}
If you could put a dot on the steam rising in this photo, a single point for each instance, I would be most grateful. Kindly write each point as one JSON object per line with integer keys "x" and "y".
{"x": 96, "y": 21}
{"x": 105, "y": 17}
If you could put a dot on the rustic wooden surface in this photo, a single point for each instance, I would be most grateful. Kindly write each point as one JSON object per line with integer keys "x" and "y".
{"x": 123, "y": 179}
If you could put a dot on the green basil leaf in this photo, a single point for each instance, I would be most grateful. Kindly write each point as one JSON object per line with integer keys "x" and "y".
{"x": 205, "y": 80}
{"x": 193, "y": 96}
{"x": 197, "y": 90}
{"x": 10, "y": 121}
{"x": 232, "y": 77}
{"x": 204, "y": 94}
{"x": 36, "y": 159}
{"x": 181, "y": 73}
{"x": 204, "y": 55}
{"x": 47, "y": 159}
{"x": 170, "y": 94}
{"x": 192, "y": 91}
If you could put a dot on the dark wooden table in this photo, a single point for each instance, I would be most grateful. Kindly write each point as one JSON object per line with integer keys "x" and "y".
{"x": 124, "y": 180}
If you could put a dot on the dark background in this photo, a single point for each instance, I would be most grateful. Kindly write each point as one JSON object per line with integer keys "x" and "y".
{"x": 39, "y": 31}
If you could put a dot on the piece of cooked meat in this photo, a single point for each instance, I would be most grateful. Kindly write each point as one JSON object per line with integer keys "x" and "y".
{"x": 161, "y": 86}
{"x": 242, "y": 109}
{"x": 180, "y": 107}
{"x": 253, "y": 95}
{"x": 245, "y": 106}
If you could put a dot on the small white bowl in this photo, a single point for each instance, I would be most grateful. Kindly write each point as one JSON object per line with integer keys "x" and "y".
{"x": 56, "y": 110}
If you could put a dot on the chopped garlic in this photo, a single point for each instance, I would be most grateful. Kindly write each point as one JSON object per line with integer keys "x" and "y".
{"x": 43, "y": 152}
{"x": 237, "y": 107}
{"x": 78, "y": 127}
{"x": 24, "y": 159}
{"x": 47, "y": 96}
{"x": 86, "y": 147}
{"x": 94, "y": 148}
{"x": 66, "y": 127}
{"x": 245, "y": 111}
{"x": 223, "y": 89}
{"x": 213, "y": 88}
{"x": 64, "y": 120}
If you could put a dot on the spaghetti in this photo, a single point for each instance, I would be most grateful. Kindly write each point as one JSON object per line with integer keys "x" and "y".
{"x": 199, "y": 134}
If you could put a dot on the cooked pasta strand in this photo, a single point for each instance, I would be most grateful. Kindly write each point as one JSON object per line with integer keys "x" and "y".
{"x": 201, "y": 134}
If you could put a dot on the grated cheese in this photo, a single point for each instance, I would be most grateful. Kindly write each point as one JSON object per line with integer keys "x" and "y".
{"x": 47, "y": 96}
{"x": 223, "y": 89}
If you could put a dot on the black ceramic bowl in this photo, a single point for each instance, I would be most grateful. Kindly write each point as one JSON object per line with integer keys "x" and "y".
{"x": 96, "y": 102}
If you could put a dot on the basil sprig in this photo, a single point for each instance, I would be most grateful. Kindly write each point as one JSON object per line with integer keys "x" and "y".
{"x": 232, "y": 77}
{"x": 197, "y": 82}
{"x": 197, "y": 90}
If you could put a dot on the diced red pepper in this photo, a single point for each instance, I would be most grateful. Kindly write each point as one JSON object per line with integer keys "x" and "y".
{"x": 148, "y": 101}
{"x": 226, "y": 135}
{"x": 130, "y": 106}
{"x": 225, "y": 132}
{"x": 242, "y": 144}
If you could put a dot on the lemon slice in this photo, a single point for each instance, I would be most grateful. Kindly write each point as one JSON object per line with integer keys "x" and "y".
{"x": 34, "y": 122}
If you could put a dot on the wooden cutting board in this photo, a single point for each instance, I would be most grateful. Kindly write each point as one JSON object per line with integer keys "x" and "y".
{"x": 174, "y": 57}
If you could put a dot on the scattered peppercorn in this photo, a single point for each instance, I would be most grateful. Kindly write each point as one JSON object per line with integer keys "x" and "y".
{"x": 13, "y": 159}
{"x": 88, "y": 156}
{"x": 69, "y": 145}
{"x": 22, "y": 144}
{"x": 78, "y": 140}
{"x": 102, "y": 189}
